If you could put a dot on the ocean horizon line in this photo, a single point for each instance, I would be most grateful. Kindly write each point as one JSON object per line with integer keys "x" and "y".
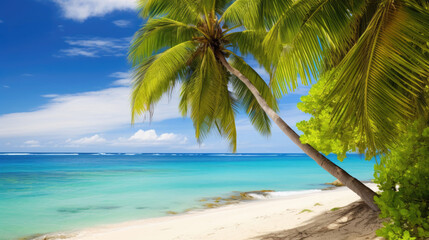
{"x": 232, "y": 154}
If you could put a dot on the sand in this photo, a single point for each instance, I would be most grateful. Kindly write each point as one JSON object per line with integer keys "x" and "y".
{"x": 331, "y": 214}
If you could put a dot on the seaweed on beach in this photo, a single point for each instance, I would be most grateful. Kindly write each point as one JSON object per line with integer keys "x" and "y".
{"x": 234, "y": 198}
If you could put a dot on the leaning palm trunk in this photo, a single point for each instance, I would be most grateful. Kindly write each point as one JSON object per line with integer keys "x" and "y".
{"x": 189, "y": 41}
{"x": 366, "y": 194}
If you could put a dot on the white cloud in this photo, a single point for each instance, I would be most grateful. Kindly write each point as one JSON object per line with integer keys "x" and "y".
{"x": 120, "y": 75}
{"x": 92, "y": 43}
{"x": 32, "y": 143}
{"x": 141, "y": 136}
{"x": 6, "y": 86}
{"x": 96, "y": 47}
{"x": 124, "y": 78}
{"x": 80, "y": 10}
{"x": 150, "y": 137}
{"x": 1, "y": 21}
{"x": 96, "y": 139}
{"x": 82, "y": 113}
{"x": 122, "y": 82}
{"x": 73, "y": 52}
{"x": 122, "y": 23}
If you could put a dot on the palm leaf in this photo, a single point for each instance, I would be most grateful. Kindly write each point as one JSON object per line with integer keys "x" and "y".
{"x": 380, "y": 79}
{"x": 158, "y": 34}
{"x": 226, "y": 111}
{"x": 182, "y": 10}
{"x": 256, "y": 14}
{"x": 156, "y": 75}
{"x": 257, "y": 115}
{"x": 202, "y": 93}
{"x": 248, "y": 42}
{"x": 304, "y": 36}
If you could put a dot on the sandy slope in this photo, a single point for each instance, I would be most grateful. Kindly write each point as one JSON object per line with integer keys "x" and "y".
{"x": 271, "y": 219}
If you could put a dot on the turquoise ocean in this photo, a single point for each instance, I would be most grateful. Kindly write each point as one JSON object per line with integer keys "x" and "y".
{"x": 50, "y": 192}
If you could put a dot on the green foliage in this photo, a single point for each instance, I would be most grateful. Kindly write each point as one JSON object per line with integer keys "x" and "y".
{"x": 305, "y": 210}
{"x": 403, "y": 177}
{"x": 256, "y": 14}
{"x": 381, "y": 78}
{"x": 181, "y": 44}
{"x": 317, "y": 129}
{"x": 307, "y": 32}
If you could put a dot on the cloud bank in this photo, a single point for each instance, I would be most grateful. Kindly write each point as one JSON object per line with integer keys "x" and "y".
{"x": 32, "y": 143}
{"x": 96, "y": 47}
{"x": 96, "y": 139}
{"x": 122, "y": 23}
{"x": 140, "y": 138}
{"x": 82, "y": 113}
{"x": 80, "y": 10}
{"x": 150, "y": 136}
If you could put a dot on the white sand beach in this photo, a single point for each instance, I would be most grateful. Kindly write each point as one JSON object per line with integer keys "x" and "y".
{"x": 331, "y": 214}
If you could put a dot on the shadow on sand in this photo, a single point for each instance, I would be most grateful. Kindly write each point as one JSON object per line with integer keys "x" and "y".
{"x": 355, "y": 221}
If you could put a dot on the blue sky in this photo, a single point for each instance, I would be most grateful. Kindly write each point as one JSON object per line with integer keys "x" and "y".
{"x": 63, "y": 86}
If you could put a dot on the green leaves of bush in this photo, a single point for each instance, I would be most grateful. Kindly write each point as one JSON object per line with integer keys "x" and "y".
{"x": 318, "y": 129}
{"x": 403, "y": 178}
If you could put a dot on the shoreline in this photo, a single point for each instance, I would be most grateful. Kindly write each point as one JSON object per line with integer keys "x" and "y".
{"x": 245, "y": 220}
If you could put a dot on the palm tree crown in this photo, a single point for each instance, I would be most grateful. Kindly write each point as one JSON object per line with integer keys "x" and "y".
{"x": 180, "y": 44}
{"x": 189, "y": 41}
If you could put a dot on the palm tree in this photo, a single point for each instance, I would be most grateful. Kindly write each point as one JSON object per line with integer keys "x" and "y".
{"x": 188, "y": 42}
{"x": 375, "y": 52}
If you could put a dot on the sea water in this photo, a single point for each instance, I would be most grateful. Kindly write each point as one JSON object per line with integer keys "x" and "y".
{"x": 49, "y": 192}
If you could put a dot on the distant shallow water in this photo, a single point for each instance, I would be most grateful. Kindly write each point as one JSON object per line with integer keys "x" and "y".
{"x": 49, "y": 192}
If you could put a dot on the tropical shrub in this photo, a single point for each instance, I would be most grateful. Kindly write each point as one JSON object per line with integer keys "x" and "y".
{"x": 402, "y": 174}
{"x": 317, "y": 130}
{"x": 403, "y": 178}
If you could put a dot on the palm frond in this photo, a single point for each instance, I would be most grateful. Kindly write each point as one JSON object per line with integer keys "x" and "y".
{"x": 256, "y": 14}
{"x": 257, "y": 115}
{"x": 226, "y": 119}
{"x": 382, "y": 75}
{"x": 182, "y": 10}
{"x": 158, "y": 34}
{"x": 248, "y": 42}
{"x": 156, "y": 75}
{"x": 202, "y": 93}
{"x": 226, "y": 111}
{"x": 304, "y": 36}
{"x": 222, "y": 5}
